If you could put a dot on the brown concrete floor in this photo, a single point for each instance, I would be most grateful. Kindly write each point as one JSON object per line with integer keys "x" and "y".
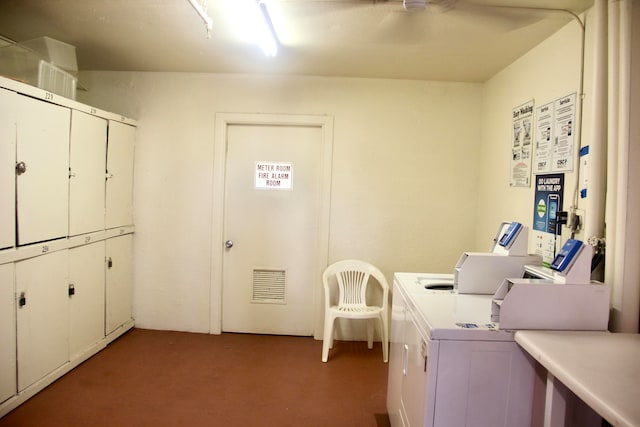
{"x": 160, "y": 378}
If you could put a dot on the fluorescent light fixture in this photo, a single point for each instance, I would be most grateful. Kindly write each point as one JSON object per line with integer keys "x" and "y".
{"x": 268, "y": 38}
{"x": 202, "y": 11}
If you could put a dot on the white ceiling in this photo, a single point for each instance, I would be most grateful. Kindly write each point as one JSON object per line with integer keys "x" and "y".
{"x": 463, "y": 40}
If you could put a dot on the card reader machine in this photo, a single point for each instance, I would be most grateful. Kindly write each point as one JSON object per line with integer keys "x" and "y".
{"x": 566, "y": 255}
{"x": 562, "y": 297}
{"x": 510, "y": 234}
{"x": 482, "y": 272}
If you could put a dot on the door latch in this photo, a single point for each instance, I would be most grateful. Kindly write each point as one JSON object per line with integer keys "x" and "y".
{"x": 22, "y": 300}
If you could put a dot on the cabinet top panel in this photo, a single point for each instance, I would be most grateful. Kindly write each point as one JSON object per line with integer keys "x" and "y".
{"x": 53, "y": 98}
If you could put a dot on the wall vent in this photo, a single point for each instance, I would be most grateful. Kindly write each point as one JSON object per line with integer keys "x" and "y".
{"x": 269, "y": 286}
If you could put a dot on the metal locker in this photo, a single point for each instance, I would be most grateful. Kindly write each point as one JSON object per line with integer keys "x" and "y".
{"x": 42, "y": 308}
{"x": 7, "y": 168}
{"x": 86, "y": 297}
{"x": 87, "y": 163}
{"x": 120, "y": 151}
{"x": 8, "y": 385}
{"x": 119, "y": 282}
{"x": 42, "y": 170}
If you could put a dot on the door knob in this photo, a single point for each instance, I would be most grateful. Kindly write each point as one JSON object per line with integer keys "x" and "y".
{"x": 21, "y": 168}
{"x": 228, "y": 244}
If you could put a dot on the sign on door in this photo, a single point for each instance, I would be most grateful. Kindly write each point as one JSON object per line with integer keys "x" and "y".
{"x": 273, "y": 176}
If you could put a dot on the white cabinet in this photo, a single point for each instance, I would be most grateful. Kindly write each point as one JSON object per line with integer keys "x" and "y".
{"x": 119, "y": 283}
{"x": 120, "y": 152}
{"x": 86, "y": 304}
{"x": 7, "y": 168}
{"x": 87, "y": 163}
{"x": 42, "y": 316}
{"x": 43, "y": 186}
{"x": 66, "y": 205}
{"x": 7, "y": 333}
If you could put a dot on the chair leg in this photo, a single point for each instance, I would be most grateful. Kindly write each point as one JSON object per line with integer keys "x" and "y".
{"x": 327, "y": 339}
{"x": 384, "y": 323}
{"x": 370, "y": 327}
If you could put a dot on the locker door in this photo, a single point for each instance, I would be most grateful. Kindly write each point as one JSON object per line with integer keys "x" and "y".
{"x": 119, "y": 281}
{"x": 42, "y": 316}
{"x": 87, "y": 161}
{"x": 7, "y": 333}
{"x": 86, "y": 305}
{"x": 43, "y": 188}
{"x": 7, "y": 168}
{"x": 120, "y": 149}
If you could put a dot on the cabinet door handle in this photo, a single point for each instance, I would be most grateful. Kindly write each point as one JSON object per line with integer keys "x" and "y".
{"x": 72, "y": 290}
{"x": 22, "y": 300}
{"x": 109, "y": 262}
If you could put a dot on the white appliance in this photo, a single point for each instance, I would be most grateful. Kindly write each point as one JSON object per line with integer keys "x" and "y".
{"x": 561, "y": 297}
{"x": 482, "y": 272}
{"x": 449, "y": 363}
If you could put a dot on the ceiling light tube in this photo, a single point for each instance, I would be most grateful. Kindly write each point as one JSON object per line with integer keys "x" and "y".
{"x": 268, "y": 39}
{"x": 202, "y": 11}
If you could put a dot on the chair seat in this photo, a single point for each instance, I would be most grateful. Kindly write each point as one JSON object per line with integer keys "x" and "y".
{"x": 362, "y": 312}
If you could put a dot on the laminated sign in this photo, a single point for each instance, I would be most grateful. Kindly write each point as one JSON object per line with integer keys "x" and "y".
{"x": 274, "y": 176}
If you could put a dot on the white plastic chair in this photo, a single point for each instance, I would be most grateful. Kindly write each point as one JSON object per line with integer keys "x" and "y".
{"x": 352, "y": 277}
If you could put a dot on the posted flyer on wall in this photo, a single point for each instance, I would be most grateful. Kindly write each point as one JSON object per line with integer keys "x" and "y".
{"x": 547, "y": 203}
{"x": 555, "y": 136}
{"x": 544, "y": 138}
{"x": 521, "y": 151}
{"x": 563, "y": 149}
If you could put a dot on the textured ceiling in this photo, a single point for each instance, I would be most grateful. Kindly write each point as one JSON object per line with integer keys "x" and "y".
{"x": 464, "y": 40}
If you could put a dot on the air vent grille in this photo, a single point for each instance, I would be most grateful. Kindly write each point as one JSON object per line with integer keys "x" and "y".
{"x": 269, "y": 286}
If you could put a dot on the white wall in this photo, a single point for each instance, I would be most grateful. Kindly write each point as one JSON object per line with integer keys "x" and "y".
{"x": 549, "y": 71}
{"x": 420, "y": 169}
{"x": 405, "y": 171}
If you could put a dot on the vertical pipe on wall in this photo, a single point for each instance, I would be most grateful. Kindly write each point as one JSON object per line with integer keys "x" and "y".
{"x": 596, "y": 170}
{"x": 612, "y": 153}
{"x": 628, "y": 288}
{"x": 626, "y": 291}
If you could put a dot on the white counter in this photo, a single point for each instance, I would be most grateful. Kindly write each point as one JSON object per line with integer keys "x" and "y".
{"x": 601, "y": 368}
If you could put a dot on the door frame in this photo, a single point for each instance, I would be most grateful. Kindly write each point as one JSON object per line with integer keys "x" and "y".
{"x": 222, "y": 122}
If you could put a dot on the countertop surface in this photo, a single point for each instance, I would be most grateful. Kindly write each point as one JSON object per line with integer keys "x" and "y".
{"x": 601, "y": 368}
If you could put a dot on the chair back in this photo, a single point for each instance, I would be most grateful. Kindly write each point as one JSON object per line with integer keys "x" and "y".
{"x": 352, "y": 277}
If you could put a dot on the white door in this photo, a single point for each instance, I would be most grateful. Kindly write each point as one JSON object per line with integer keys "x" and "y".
{"x": 271, "y": 228}
{"x": 119, "y": 281}
{"x": 87, "y": 162}
{"x": 119, "y": 196}
{"x": 7, "y": 333}
{"x": 86, "y": 304}
{"x": 43, "y": 187}
{"x": 7, "y": 168}
{"x": 42, "y": 316}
